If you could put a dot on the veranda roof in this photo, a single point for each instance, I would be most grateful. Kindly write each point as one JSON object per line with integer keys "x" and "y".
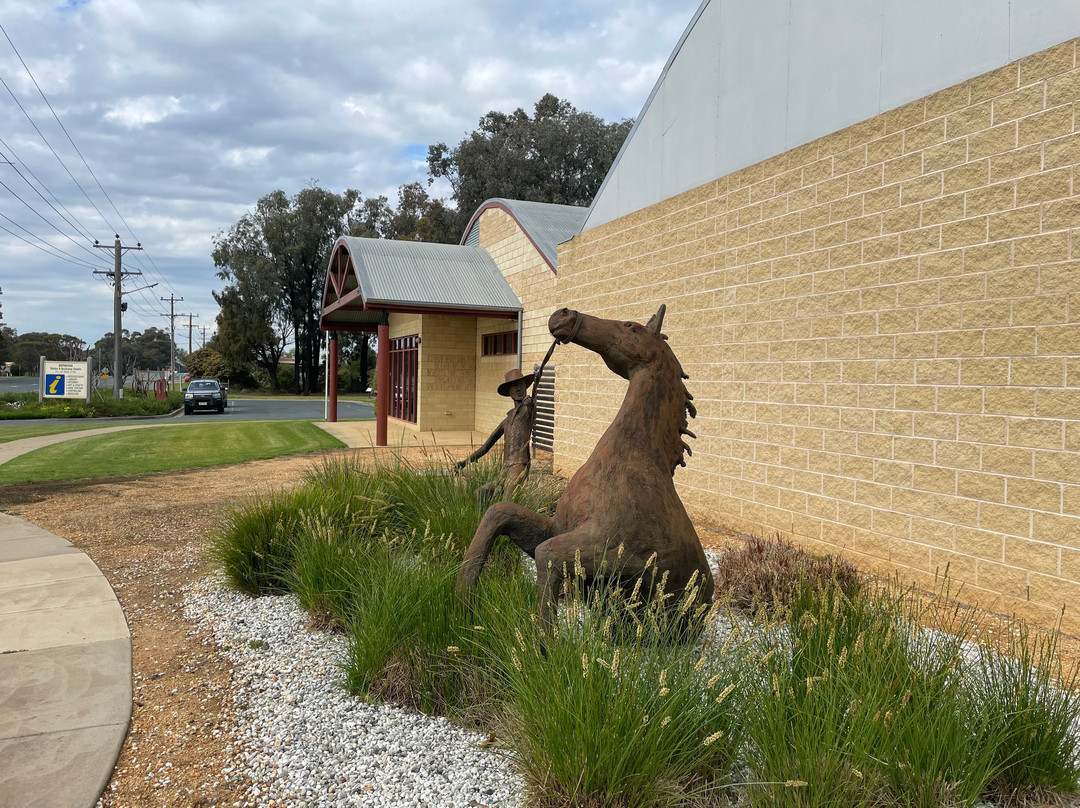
{"x": 368, "y": 276}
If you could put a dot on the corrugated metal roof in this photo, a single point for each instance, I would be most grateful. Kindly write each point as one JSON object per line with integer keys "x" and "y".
{"x": 448, "y": 276}
{"x": 548, "y": 225}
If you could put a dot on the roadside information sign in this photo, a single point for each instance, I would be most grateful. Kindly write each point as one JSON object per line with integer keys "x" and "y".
{"x": 64, "y": 380}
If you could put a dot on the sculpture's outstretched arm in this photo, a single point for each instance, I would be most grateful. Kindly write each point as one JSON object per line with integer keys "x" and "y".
{"x": 484, "y": 449}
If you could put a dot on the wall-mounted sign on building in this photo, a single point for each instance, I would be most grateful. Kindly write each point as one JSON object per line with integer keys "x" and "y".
{"x": 64, "y": 380}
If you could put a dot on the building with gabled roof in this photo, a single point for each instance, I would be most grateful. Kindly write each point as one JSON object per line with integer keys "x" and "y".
{"x": 864, "y": 218}
{"x": 452, "y": 319}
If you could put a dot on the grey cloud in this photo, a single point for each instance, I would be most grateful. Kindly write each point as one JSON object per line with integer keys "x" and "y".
{"x": 188, "y": 113}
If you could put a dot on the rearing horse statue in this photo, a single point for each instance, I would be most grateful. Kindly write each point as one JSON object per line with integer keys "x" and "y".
{"x": 624, "y": 494}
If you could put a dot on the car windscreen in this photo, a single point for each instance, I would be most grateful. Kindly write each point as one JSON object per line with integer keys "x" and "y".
{"x": 203, "y": 386}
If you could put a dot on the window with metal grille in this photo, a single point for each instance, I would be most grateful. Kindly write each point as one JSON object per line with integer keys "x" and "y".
{"x": 501, "y": 344}
{"x": 404, "y": 369}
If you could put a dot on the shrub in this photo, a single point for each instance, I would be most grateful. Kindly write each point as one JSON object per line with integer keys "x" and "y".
{"x": 615, "y": 708}
{"x": 771, "y": 574}
{"x": 1024, "y": 695}
{"x": 206, "y": 363}
{"x": 25, "y": 405}
{"x": 257, "y": 547}
{"x": 859, "y": 706}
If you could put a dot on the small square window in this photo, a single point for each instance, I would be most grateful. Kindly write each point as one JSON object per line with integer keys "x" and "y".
{"x": 501, "y": 344}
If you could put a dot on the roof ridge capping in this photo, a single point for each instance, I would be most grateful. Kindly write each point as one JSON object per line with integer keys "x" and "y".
{"x": 545, "y": 224}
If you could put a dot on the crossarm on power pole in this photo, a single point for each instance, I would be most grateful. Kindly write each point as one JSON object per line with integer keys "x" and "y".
{"x": 118, "y": 274}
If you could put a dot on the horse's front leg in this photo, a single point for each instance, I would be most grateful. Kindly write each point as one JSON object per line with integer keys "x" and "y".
{"x": 524, "y": 527}
{"x": 579, "y": 546}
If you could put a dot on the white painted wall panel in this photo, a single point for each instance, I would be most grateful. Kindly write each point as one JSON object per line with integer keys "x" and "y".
{"x": 690, "y": 130}
{"x": 823, "y": 89}
{"x": 1036, "y": 25}
{"x": 932, "y": 44}
{"x": 747, "y": 122}
{"x": 789, "y": 71}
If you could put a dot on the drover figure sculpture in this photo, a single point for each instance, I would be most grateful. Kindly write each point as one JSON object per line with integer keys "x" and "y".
{"x": 516, "y": 429}
{"x": 624, "y": 494}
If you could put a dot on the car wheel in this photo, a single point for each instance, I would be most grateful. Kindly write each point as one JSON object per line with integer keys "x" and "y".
{"x": 221, "y": 410}
{"x": 187, "y": 410}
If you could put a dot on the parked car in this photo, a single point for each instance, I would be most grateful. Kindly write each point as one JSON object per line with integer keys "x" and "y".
{"x": 205, "y": 394}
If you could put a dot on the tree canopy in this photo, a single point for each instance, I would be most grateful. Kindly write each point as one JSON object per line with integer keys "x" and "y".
{"x": 206, "y": 363}
{"x": 559, "y": 154}
{"x": 275, "y": 262}
{"x": 146, "y": 350}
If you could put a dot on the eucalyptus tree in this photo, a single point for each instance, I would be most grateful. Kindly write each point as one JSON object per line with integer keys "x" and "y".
{"x": 274, "y": 259}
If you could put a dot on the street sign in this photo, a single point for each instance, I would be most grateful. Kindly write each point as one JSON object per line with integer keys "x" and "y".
{"x": 64, "y": 380}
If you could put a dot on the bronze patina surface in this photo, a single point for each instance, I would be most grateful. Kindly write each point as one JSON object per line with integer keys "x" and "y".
{"x": 624, "y": 495}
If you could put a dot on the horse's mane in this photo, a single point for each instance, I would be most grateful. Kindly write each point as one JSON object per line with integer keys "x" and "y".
{"x": 689, "y": 409}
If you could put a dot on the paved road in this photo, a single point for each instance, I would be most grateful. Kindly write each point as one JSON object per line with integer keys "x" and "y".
{"x": 259, "y": 409}
{"x": 18, "y": 384}
{"x": 246, "y": 409}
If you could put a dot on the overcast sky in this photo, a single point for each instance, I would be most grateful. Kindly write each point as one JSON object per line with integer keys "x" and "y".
{"x": 188, "y": 112}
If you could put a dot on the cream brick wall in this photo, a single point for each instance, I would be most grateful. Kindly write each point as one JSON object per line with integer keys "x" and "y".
{"x": 490, "y": 373}
{"x": 882, "y": 329}
{"x": 447, "y": 373}
{"x": 528, "y": 275}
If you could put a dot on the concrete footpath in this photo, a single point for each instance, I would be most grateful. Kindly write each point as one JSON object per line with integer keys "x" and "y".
{"x": 65, "y": 672}
{"x": 65, "y": 649}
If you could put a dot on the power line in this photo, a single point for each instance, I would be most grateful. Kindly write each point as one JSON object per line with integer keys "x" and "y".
{"x": 157, "y": 271}
{"x": 71, "y": 259}
{"x": 80, "y": 228}
{"x": 59, "y": 159}
{"x": 37, "y": 213}
{"x": 63, "y": 128}
{"x": 65, "y": 131}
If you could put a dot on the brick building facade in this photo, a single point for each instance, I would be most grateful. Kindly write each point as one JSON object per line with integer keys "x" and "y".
{"x": 882, "y": 329}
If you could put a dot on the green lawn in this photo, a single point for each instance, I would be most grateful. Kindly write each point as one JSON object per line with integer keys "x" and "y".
{"x": 12, "y": 431}
{"x": 139, "y": 451}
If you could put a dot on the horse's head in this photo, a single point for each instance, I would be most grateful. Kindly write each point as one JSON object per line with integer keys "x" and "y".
{"x": 623, "y": 345}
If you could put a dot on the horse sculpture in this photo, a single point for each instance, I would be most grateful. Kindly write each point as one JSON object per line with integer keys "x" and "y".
{"x": 624, "y": 495}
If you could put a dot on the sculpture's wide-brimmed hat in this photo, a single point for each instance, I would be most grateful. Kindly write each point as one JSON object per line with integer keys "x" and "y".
{"x": 513, "y": 376}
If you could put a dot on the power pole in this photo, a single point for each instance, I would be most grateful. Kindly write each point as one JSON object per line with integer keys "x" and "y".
{"x": 173, "y": 300}
{"x": 190, "y": 317}
{"x": 118, "y": 292}
{"x": 204, "y": 329}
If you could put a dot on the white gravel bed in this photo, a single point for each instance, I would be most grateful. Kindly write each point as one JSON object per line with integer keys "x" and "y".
{"x": 302, "y": 741}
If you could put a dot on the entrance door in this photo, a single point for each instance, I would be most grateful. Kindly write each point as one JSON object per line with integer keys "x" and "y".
{"x": 404, "y": 368}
